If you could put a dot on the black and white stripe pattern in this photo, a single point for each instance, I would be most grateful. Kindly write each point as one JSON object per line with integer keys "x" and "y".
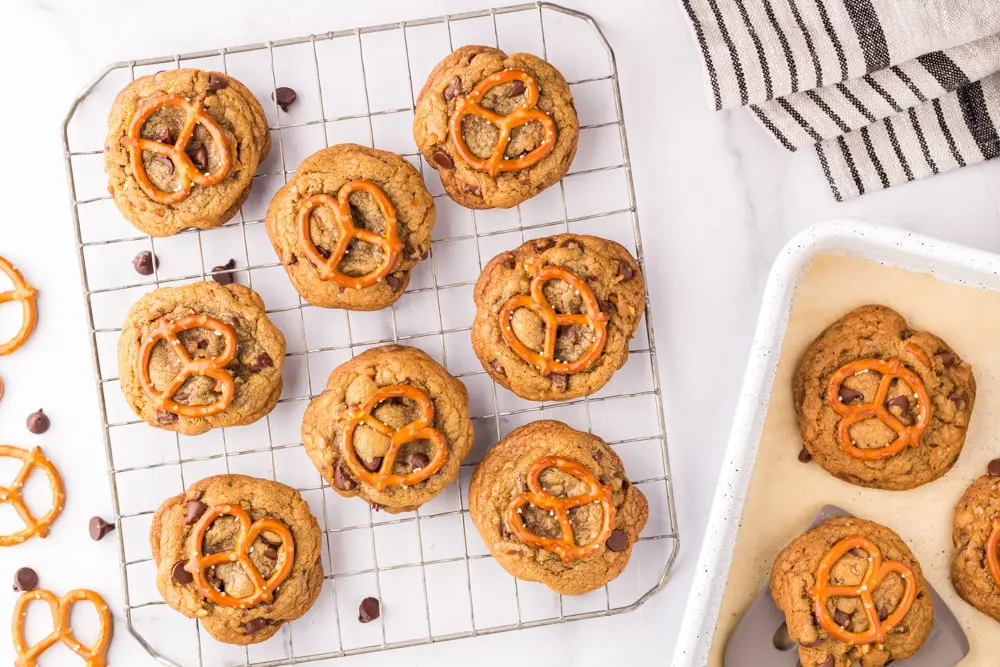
{"x": 888, "y": 91}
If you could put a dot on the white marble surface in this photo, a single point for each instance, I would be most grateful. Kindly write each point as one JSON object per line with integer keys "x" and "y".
{"x": 716, "y": 198}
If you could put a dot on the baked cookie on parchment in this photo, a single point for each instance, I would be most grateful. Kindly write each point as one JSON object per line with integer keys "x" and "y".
{"x": 182, "y": 148}
{"x": 554, "y": 317}
{"x": 200, "y": 356}
{"x": 350, "y": 226}
{"x": 851, "y": 590}
{"x": 499, "y": 129}
{"x": 975, "y": 572}
{"x": 392, "y": 427}
{"x": 881, "y": 404}
{"x": 240, "y": 554}
{"x": 554, "y": 505}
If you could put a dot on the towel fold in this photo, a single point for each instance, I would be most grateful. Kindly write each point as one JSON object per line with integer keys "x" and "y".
{"x": 887, "y": 91}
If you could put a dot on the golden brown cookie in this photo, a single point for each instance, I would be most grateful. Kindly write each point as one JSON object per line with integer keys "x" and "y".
{"x": 199, "y": 357}
{"x": 240, "y": 554}
{"x": 392, "y": 426}
{"x": 975, "y": 571}
{"x": 888, "y": 614}
{"x": 881, "y": 404}
{"x": 591, "y": 293}
{"x": 468, "y": 98}
{"x": 553, "y": 505}
{"x": 165, "y": 176}
{"x": 350, "y": 226}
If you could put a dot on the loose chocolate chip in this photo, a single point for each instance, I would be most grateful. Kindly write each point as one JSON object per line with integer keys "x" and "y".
{"x": 617, "y": 541}
{"x": 805, "y": 456}
{"x": 841, "y": 618}
{"x": 255, "y": 625}
{"x": 262, "y": 361}
{"x": 541, "y": 245}
{"x": 453, "y": 90}
{"x": 559, "y": 382}
{"x": 38, "y": 422}
{"x": 419, "y": 460}
{"x": 195, "y": 508}
{"x": 847, "y": 395}
{"x": 369, "y": 610}
{"x": 442, "y": 159}
{"x": 25, "y": 579}
{"x": 994, "y": 468}
{"x": 495, "y": 365}
{"x": 829, "y": 662}
{"x": 164, "y": 417}
{"x": 145, "y": 262}
{"x": 375, "y": 507}
{"x": 167, "y": 163}
{"x": 946, "y": 358}
{"x": 341, "y": 480}
{"x": 472, "y": 189}
{"x": 180, "y": 575}
{"x": 199, "y": 156}
{"x": 517, "y": 87}
{"x": 374, "y": 465}
{"x": 217, "y": 82}
{"x": 285, "y": 97}
{"x": 271, "y": 553}
{"x": 223, "y": 274}
{"x": 393, "y": 281}
{"x": 99, "y": 528}
{"x": 625, "y": 272}
{"x": 901, "y": 402}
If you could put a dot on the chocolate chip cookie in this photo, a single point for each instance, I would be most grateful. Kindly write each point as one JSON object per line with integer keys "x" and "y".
{"x": 499, "y": 129}
{"x": 182, "y": 149}
{"x": 199, "y": 357}
{"x": 553, "y": 505}
{"x": 392, "y": 426}
{"x": 350, "y": 226}
{"x": 881, "y": 404}
{"x": 852, "y": 591}
{"x": 554, "y": 317}
{"x": 240, "y": 554}
{"x": 976, "y": 535}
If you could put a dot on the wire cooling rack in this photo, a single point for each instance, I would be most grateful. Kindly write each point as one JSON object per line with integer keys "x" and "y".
{"x": 430, "y": 569}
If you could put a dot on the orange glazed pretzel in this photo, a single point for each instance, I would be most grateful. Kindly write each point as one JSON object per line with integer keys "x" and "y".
{"x": 390, "y": 244}
{"x": 526, "y": 112}
{"x": 852, "y": 414}
{"x": 240, "y": 553}
{"x": 24, "y": 293}
{"x": 187, "y": 173}
{"x": 993, "y": 551}
{"x": 213, "y": 367}
{"x": 537, "y": 303}
{"x": 565, "y": 547}
{"x": 93, "y": 656}
{"x": 12, "y": 494}
{"x": 877, "y": 571}
{"x": 421, "y": 429}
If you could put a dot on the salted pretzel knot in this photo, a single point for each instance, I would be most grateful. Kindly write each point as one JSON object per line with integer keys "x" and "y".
{"x": 526, "y": 112}
{"x": 993, "y": 551}
{"x": 565, "y": 546}
{"x": 537, "y": 303}
{"x": 389, "y": 243}
{"x": 264, "y": 590}
{"x": 420, "y": 429}
{"x": 876, "y": 573}
{"x": 852, "y": 414}
{"x": 24, "y": 293}
{"x": 93, "y": 656}
{"x": 12, "y": 494}
{"x": 213, "y": 367}
{"x": 187, "y": 173}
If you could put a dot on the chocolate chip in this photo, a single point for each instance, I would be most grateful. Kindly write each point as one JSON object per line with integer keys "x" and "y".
{"x": 164, "y": 417}
{"x": 453, "y": 90}
{"x": 374, "y": 465}
{"x": 957, "y": 399}
{"x": 270, "y": 539}
{"x": 368, "y": 611}
{"x": 199, "y": 156}
{"x": 994, "y": 468}
{"x": 570, "y": 334}
{"x": 393, "y": 281}
{"x": 947, "y": 359}
{"x": 180, "y": 575}
{"x": 901, "y": 402}
{"x": 841, "y": 618}
{"x": 441, "y": 158}
{"x": 285, "y": 97}
{"x": 375, "y": 507}
{"x": 167, "y": 163}
{"x": 905, "y": 334}
{"x": 419, "y": 460}
{"x": 625, "y": 272}
{"x": 262, "y": 361}
{"x": 559, "y": 382}
{"x": 848, "y": 395}
{"x": 541, "y": 245}
{"x": 145, "y": 262}
{"x": 99, "y": 528}
{"x": 569, "y": 243}
{"x": 472, "y": 189}
{"x": 164, "y": 136}
{"x": 38, "y": 422}
{"x": 223, "y": 274}
{"x": 805, "y": 456}
{"x": 255, "y": 625}
{"x": 883, "y": 611}
{"x": 25, "y": 579}
{"x": 812, "y": 644}
{"x": 271, "y": 553}
{"x": 495, "y": 365}
{"x": 341, "y": 479}
{"x": 195, "y": 508}
{"x": 323, "y": 252}
{"x": 517, "y": 87}
{"x": 510, "y": 262}
{"x": 829, "y": 662}
{"x": 617, "y": 541}
{"x": 217, "y": 82}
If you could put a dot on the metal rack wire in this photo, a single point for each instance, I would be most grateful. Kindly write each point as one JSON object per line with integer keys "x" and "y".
{"x": 163, "y": 468}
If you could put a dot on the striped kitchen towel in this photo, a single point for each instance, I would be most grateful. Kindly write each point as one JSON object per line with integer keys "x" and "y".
{"x": 887, "y": 91}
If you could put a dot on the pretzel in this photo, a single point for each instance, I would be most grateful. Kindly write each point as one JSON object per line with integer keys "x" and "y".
{"x": 537, "y": 303}
{"x": 421, "y": 429}
{"x": 93, "y": 656}
{"x": 12, "y": 494}
{"x": 213, "y": 367}
{"x": 390, "y": 243}
{"x": 240, "y": 554}
{"x": 876, "y": 573}
{"x": 26, "y": 294}
{"x": 565, "y": 547}
{"x": 187, "y": 173}
{"x": 993, "y": 551}
{"x": 526, "y": 112}
{"x": 852, "y": 414}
